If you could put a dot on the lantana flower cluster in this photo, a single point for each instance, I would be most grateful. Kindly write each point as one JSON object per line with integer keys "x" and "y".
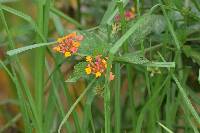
{"x": 69, "y": 44}
{"x": 97, "y": 66}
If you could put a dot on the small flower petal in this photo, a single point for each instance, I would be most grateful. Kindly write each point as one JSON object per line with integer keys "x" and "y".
{"x": 74, "y": 49}
{"x": 88, "y": 58}
{"x": 76, "y": 44}
{"x": 67, "y": 54}
{"x": 57, "y": 48}
{"x": 88, "y": 70}
{"x": 98, "y": 74}
{"x": 72, "y": 35}
{"x": 111, "y": 76}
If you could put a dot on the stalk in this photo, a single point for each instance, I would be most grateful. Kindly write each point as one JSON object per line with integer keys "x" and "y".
{"x": 42, "y": 22}
{"x": 128, "y": 66}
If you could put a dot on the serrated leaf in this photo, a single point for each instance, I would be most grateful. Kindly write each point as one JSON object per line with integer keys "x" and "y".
{"x": 78, "y": 72}
{"x": 132, "y": 58}
{"x": 192, "y": 53}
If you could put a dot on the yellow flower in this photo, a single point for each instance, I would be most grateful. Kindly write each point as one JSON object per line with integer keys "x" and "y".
{"x": 57, "y": 48}
{"x": 98, "y": 74}
{"x": 88, "y": 58}
{"x": 67, "y": 54}
{"x": 88, "y": 70}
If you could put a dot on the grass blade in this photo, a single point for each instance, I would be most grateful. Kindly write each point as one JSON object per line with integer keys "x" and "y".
{"x": 23, "y": 49}
{"x": 164, "y": 127}
{"x": 74, "y": 105}
{"x": 186, "y": 100}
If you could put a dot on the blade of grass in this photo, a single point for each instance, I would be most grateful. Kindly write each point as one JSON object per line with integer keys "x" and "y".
{"x": 23, "y": 16}
{"x": 87, "y": 111}
{"x": 22, "y": 104}
{"x": 164, "y": 127}
{"x": 186, "y": 100}
{"x": 22, "y": 79}
{"x": 117, "y": 86}
{"x": 30, "y": 47}
{"x": 43, "y": 8}
{"x": 11, "y": 122}
{"x": 128, "y": 66}
{"x": 56, "y": 98}
{"x": 74, "y": 105}
{"x": 148, "y": 105}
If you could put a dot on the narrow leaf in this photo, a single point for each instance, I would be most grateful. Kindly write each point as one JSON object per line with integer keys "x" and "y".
{"x": 23, "y": 49}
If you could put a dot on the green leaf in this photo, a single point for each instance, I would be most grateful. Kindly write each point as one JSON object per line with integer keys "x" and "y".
{"x": 17, "y": 13}
{"x": 78, "y": 72}
{"x": 187, "y": 101}
{"x": 192, "y": 53}
{"x": 23, "y": 49}
{"x": 137, "y": 58}
{"x": 160, "y": 64}
{"x": 199, "y": 77}
{"x": 132, "y": 58}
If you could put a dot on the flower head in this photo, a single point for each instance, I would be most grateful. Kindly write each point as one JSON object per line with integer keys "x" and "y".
{"x": 98, "y": 74}
{"x": 67, "y": 54}
{"x": 88, "y": 70}
{"x": 68, "y": 44}
{"x": 88, "y": 58}
{"x": 97, "y": 66}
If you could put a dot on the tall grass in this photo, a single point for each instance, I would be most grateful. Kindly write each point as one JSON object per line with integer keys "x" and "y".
{"x": 154, "y": 57}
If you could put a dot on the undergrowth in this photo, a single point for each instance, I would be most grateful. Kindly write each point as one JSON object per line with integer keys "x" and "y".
{"x": 138, "y": 65}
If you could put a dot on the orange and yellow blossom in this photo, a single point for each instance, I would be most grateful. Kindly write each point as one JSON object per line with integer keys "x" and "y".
{"x": 68, "y": 44}
{"x": 97, "y": 66}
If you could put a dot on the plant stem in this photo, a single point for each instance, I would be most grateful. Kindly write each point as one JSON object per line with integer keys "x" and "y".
{"x": 128, "y": 66}
{"x": 117, "y": 86}
{"x": 42, "y": 22}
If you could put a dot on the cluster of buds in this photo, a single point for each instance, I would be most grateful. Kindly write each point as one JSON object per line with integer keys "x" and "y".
{"x": 129, "y": 14}
{"x": 153, "y": 71}
{"x": 97, "y": 66}
{"x": 68, "y": 44}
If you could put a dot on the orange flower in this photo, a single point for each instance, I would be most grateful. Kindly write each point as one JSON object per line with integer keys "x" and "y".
{"x": 68, "y": 44}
